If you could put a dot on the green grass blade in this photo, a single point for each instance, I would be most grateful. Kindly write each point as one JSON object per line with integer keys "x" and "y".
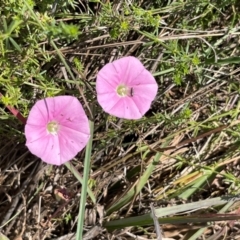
{"x": 164, "y": 72}
{"x": 199, "y": 184}
{"x": 146, "y": 219}
{"x": 135, "y": 189}
{"x": 87, "y": 165}
{"x": 79, "y": 178}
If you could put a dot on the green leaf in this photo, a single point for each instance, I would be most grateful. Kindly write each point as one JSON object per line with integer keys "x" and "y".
{"x": 230, "y": 60}
{"x": 13, "y": 25}
{"x": 15, "y": 44}
{"x": 4, "y": 24}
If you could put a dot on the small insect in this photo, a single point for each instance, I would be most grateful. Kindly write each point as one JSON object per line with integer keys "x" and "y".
{"x": 131, "y": 92}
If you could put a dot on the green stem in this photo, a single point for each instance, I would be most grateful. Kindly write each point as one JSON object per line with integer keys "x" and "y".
{"x": 87, "y": 163}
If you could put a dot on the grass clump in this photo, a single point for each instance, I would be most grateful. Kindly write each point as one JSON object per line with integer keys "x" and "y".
{"x": 182, "y": 156}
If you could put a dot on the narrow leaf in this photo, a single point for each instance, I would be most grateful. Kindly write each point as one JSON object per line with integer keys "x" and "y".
{"x": 146, "y": 219}
{"x": 230, "y": 60}
{"x": 136, "y": 188}
{"x": 15, "y": 44}
{"x": 13, "y": 25}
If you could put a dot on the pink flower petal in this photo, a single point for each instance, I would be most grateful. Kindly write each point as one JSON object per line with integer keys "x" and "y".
{"x": 130, "y": 72}
{"x": 39, "y": 115}
{"x": 128, "y": 69}
{"x": 143, "y": 104}
{"x": 129, "y": 110}
{"x": 47, "y": 148}
{"x": 34, "y": 132}
{"x": 146, "y": 91}
{"x": 73, "y": 131}
{"x": 109, "y": 100}
{"x": 73, "y": 143}
{"x": 109, "y": 76}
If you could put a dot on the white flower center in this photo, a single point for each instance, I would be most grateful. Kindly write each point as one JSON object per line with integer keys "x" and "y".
{"x": 123, "y": 91}
{"x": 53, "y": 127}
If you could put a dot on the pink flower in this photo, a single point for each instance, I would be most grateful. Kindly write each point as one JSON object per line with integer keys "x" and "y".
{"x": 57, "y": 129}
{"x": 125, "y": 88}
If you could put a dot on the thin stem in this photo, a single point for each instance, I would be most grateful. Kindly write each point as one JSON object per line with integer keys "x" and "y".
{"x": 79, "y": 178}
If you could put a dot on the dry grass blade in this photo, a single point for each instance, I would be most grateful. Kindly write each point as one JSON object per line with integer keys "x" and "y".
{"x": 156, "y": 223}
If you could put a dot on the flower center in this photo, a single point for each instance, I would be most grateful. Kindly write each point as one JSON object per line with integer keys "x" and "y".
{"x": 122, "y": 90}
{"x": 53, "y": 127}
